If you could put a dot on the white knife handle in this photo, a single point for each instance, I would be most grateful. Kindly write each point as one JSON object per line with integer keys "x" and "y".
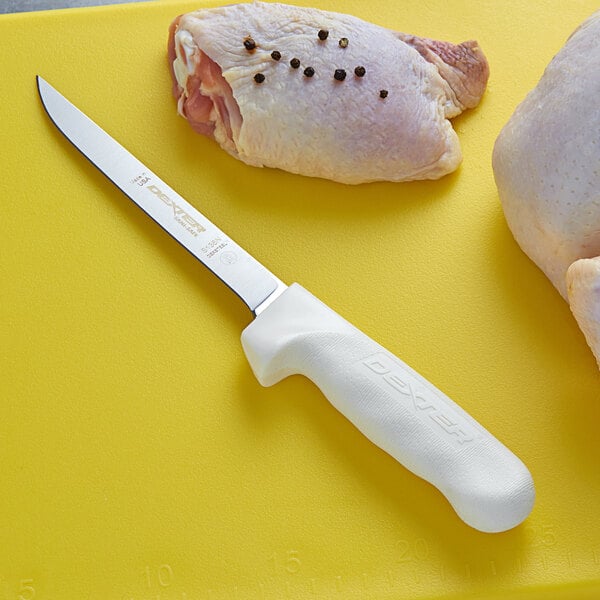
{"x": 394, "y": 406}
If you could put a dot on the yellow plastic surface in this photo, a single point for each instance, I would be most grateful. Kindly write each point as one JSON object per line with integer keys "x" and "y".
{"x": 139, "y": 457}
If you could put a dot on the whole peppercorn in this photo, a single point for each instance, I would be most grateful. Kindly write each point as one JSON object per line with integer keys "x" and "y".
{"x": 339, "y": 75}
{"x": 276, "y": 55}
{"x": 259, "y": 78}
{"x": 309, "y": 72}
{"x": 383, "y": 93}
{"x": 249, "y": 44}
{"x": 343, "y": 43}
{"x": 323, "y": 34}
{"x": 294, "y": 63}
{"x": 360, "y": 71}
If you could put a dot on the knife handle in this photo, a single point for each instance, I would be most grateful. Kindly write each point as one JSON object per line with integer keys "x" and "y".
{"x": 395, "y": 407}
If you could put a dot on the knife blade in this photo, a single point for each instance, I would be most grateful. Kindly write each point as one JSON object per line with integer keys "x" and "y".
{"x": 295, "y": 333}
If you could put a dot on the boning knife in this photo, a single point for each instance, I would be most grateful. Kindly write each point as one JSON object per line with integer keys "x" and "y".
{"x": 295, "y": 333}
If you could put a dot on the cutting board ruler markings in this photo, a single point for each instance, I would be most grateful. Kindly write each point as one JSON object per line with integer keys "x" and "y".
{"x": 244, "y": 514}
{"x": 24, "y": 588}
{"x": 288, "y": 575}
{"x": 161, "y": 576}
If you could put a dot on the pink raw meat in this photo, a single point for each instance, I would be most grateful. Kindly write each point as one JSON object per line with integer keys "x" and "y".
{"x": 321, "y": 93}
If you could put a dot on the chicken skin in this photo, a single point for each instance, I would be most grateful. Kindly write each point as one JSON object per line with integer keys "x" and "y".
{"x": 546, "y": 163}
{"x": 323, "y": 94}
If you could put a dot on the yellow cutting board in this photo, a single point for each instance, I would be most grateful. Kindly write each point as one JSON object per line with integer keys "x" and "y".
{"x": 139, "y": 457}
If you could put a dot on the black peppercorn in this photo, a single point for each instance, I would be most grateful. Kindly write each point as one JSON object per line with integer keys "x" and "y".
{"x": 383, "y": 93}
{"x": 309, "y": 71}
{"x": 323, "y": 34}
{"x": 276, "y": 55}
{"x": 360, "y": 71}
{"x": 339, "y": 75}
{"x": 343, "y": 43}
{"x": 249, "y": 44}
{"x": 295, "y": 63}
{"x": 259, "y": 78}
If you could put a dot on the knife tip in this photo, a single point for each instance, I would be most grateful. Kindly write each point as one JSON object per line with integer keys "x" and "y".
{"x": 39, "y": 80}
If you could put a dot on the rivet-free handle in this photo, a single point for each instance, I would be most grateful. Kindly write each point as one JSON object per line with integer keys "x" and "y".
{"x": 394, "y": 406}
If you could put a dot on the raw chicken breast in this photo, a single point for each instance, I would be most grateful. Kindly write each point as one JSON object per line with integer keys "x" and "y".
{"x": 546, "y": 163}
{"x": 323, "y": 94}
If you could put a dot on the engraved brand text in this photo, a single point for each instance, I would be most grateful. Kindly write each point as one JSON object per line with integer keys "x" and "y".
{"x": 392, "y": 377}
{"x": 182, "y": 217}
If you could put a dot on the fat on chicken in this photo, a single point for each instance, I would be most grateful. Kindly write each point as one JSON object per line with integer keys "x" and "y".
{"x": 546, "y": 163}
{"x": 323, "y": 94}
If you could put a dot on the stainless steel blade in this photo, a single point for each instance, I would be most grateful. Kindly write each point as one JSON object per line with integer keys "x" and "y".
{"x": 248, "y": 278}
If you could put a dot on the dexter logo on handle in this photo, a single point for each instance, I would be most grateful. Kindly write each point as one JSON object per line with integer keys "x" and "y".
{"x": 391, "y": 376}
